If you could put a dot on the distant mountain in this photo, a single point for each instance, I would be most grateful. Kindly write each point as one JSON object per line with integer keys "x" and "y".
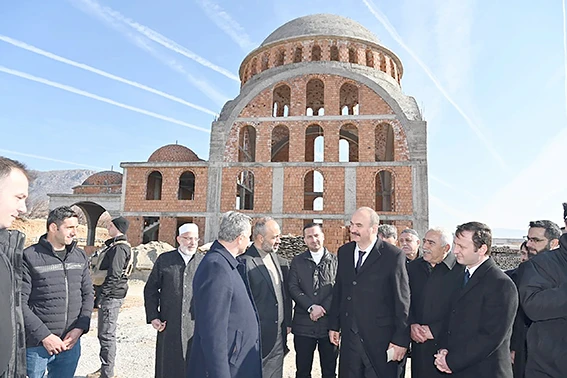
{"x": 52, "y": 182}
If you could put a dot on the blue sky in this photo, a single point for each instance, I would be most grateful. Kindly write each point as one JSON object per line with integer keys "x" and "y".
{"x": 488, "y": 76}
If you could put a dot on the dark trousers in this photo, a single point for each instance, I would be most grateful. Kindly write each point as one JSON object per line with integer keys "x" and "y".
{"x": 354, "y": 362}
{"x": 107, "y": 322}
{"x": 304, "y": 350}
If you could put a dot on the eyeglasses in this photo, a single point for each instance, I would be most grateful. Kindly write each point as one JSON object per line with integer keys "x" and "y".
{"x": 534, "y": 240}
{"x": 190, "y": 239}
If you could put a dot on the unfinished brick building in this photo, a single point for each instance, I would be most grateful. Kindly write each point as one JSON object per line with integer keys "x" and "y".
{"x": 320, "y": 128}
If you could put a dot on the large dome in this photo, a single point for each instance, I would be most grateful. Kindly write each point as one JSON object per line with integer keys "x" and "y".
{"x": 104, "y": 178}
{"x": 173, "y": 153}
{"x": 321, "y": 25}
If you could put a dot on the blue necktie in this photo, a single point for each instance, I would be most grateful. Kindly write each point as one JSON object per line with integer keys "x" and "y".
{"x": 466, "y": 278}
{"x": 359, "y": 262}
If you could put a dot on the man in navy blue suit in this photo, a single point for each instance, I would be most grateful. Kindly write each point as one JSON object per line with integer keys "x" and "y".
{"x": 226, "y": 342}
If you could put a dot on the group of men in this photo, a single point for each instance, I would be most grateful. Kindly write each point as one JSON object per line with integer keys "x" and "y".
{"x": 227, "y": 313}
{"x": 46, "y": 291}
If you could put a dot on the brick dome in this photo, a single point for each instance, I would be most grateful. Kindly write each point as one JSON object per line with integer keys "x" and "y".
{"x": 104, "y": 178}
{"x": 321, "y": 25}
{"x": 173, "y": 153}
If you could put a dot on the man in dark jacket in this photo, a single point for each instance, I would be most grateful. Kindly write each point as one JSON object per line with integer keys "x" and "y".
{"x": 543, "y": 295}
{"x": 57, "y": 298}
{"x": 226, "y": 343}
{"x": 168, "y": 299}
{"x": 13, "y": 194}
{"x": 112, "y": 293}
{"x": 434, "y": 279}
{"x": 267, "y": 275}
{"x": 477, "y": 338}
{"x": 371, "y": 301}
{"x": 311, "y": 279}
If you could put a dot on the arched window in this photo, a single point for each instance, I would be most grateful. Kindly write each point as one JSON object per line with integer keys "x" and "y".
{"x": 186, "y": 189}
{"x": 385, "y": 191}
{"x": 253, "y": 68}
{"x": 298, "y": 56}
{"x": 281, "y": 100}
{"x": 384, "y": 142}
{"x": 348, "y": 134}
{"x": 369, "y": 58}
{"x": 280, "y": 144}
{"x": 382, "y": 62}
{"x": 315, "y": 94}
{"x": 153, "y": 189}
{"x": 348, "y": 99}
{"x": 247, "y": 144}
{"x": 280, "y": 58}
{"x": 313, "y": 191}
{"x": 265, "y": 61}
{"x": 335, "y": 53}
{"x": 352, "y": 58}
{"x": 392, "y": 69}
{"x": 314, "y": 143}
{"x": 245, "y": 191}
{"x": 316, "y": 53}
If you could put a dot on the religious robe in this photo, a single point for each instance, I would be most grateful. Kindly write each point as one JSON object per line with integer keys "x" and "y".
{"x": 168, "y": 296}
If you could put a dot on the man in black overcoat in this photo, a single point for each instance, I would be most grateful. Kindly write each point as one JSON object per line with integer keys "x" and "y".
{"x": 267, "y": 275}
{"x": 168, "y": 299}
{"x": 371, "y": 301}
{"x": 433, "y": 279}
{"x": 477, "y": 338}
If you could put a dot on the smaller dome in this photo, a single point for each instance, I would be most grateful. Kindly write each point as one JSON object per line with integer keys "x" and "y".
{"x": 104, "y": 178}
{"x": 173, "y": 153}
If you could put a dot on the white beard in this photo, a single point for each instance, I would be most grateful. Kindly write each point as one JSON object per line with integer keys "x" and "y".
{"x": 185, "y": 251}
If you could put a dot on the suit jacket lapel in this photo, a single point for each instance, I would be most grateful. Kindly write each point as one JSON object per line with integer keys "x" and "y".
{"x": 476, "y": 277}
{"x": 374, "y": 255}
{"x": 259, "y": 263}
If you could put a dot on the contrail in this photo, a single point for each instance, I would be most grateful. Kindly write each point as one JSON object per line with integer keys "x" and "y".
{"x": 51, "y": 159}
{"x": 98, "y": 98}
{"x": 227, "y": 24}
{"x": 47, "y": 54}
{"x": 394, "y": 34}
{"x": 158, "y": 38}
{"x": 565, "y": 49}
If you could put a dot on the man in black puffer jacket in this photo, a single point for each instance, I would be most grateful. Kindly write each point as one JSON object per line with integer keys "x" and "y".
{"x": 311, "y": 280}
{"x": 13, "y": 193}
{"x": 112, "y": 292}
{"x": 57, "y": 298}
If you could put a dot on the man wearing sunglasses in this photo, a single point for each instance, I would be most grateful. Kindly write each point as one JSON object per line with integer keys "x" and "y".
{"x": 543, "y": 235}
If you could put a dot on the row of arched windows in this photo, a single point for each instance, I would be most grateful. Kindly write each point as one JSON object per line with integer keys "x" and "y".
{"x": 185, "y": 189}
{"x": 315, "y": 142}
{"x": 313, "y": 190}
{"x": 313, "y": 183}
{"x": 315, "y": 99}
{"x": 300, "y": 54}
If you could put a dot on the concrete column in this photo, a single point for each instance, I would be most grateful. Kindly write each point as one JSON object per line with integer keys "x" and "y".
{"x": 350, "y": 190}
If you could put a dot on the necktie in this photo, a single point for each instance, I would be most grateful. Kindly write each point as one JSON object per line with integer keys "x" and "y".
{"x": 359, "y": 262}
{"x": 466, "y": 278}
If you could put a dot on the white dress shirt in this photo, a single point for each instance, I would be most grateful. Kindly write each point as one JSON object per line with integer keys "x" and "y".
{"x": 474, "y": 268}
{"x": 185, "y": 257}
{"x": 368, "y": 250}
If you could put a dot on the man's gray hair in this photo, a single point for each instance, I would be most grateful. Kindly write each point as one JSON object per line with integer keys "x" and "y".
{"x": 260, "y": 227}
{"x": 388, "y": 231}
{"x": 374, "y": 218}
{"x": 445, "y": 236}
{"x": 233, "y": 224}
{"x": 410, "y": 231}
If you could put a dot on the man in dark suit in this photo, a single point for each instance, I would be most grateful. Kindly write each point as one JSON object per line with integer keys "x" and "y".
{"x": 371, "y": 302}
{"x": 433, "y": 279}
{"x": 267, "y": 274}
{"x": 226, "y": 342}
{"x": 479, "y": 325}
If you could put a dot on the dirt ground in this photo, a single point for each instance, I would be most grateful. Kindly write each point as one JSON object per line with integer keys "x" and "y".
{"x": 136, "y": 343}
